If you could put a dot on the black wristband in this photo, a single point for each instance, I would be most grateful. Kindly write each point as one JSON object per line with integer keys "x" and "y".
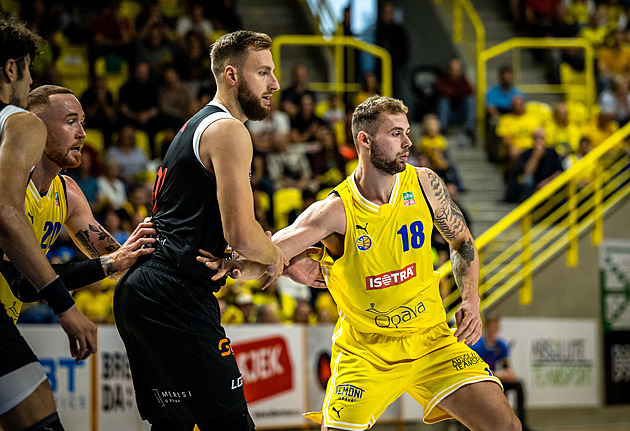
{"x": 57, "y": 296}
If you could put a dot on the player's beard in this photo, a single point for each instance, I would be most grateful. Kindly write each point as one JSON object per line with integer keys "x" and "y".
{"x": 250, "y": 104}
{"x": 380, "y": 162}
{"x": 59, "y": 157}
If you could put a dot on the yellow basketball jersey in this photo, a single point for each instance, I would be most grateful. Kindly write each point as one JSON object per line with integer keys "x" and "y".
{"x": 47, "y": 215}
{"x": 385, "y": 282}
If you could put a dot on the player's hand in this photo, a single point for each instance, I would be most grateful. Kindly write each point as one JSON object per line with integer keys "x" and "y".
{"x": 469, "y": 324}
{"x": 223, "y": 267}
{"x": 132, "y": 249}
{"x": 303, "y": 269}
{"x": 81, "y": 333}
{"x": 275, "y": 270}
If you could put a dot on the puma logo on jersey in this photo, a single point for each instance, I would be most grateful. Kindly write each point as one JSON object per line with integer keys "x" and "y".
{"x": 337, "y": 411}
{"x": 362, "y": 228}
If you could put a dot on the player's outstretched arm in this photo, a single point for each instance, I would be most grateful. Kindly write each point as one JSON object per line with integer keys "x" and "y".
{"x": 23, "y": 139}
{"x": 236, "y": 203}
{"x": 451, "y": 224}
{"x": 94, "y": 241}
{"x": 323, "y": 221}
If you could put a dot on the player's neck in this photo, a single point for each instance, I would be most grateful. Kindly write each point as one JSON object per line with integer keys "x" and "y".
{"x": 230, "y": 102}
{"x": 376, "y": 186}
{"x": 44, "y": 173}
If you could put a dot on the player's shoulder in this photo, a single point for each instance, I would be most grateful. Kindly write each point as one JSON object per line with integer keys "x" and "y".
{"x": 328, "y": 212}
{"x": 226, "y": 128}
{"x": 26, "y": 122}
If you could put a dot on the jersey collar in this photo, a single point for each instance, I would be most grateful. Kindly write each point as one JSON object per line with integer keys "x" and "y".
{"x": 369, "y": 205}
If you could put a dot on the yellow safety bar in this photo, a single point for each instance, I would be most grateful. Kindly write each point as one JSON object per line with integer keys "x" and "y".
{"x": 461, "y": 8}
{"x": 517, "y": 43}
{"x": 338, "y": 43}
{"x": 552, "y": 218}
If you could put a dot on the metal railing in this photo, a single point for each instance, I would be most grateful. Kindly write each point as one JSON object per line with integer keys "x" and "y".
{"x": 547, "y": 222}
{"x": 467, "y": 29}
{"x": 515, "y": 45}
{"x": 339, "y": 46}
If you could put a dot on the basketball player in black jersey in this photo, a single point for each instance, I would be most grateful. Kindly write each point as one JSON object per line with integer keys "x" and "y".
{"x": 183, "y": 369}
{"x": 26, "y": 401}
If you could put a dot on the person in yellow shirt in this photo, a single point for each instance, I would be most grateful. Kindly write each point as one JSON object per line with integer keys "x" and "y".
{"x": 95, "y": 303}
{"x": 600, "y": 128}
{"x": 391, "y": 336}
{"x": 561, "y": 134}
{"x": 613, "y": 60}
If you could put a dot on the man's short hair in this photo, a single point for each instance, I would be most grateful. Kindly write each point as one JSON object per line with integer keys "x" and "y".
{"x": 40, "y": 96}
{"x": 16, "y": 40}
{"x": 233, "y": 49}
{"x": 366, "y": 116}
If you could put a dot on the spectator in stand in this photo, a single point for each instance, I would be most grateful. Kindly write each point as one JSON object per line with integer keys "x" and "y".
{"x": 538, "y": 166}
{"x": 304, "y": 123}
{"x": 613, "y": 60}
{"x": 194, "y": 68}
{"x": 100, "y": 111}
{"x": 495, "y": 352}
{"x": 290, "y": 97}
{"x": 176, "y": 100}
{"x": 601, "y": 127}
{"x": 86, "y": 174}
{"x": 515, "y": 131}
{"x": 369, "y": 87}
{"x": 224, "y": 18}
{"x": 393, "y": 36}
{"x": 614, "y": 12}
{"x": 434, "y": 145}
{"x": 543, "y": 17}
{"x": 288, "y": 166}
{"x": 588, "y": 174}
{"x": 111, "y": 190}
{"x": 302, "y": 313}
{"x": 112, "y": 33}
{"x": 499, "y": 97}
{"x": 617, "y": 100}
{"x": 150, "y": 16}
{"x": 138, "y": 101}
{"x": 131, "y": 160}
{"x": 272, "y": 132}
{"x": 195, "y": 20}
{"x": 327, "y": 164}
{"x": 112, "y": 223}
{"x": 562, "y": 134}
{"x": 456, "y": 103}
{"x": 157, "y": 50}
{"x": 138, "y": 203}
{"x": 576, "y": 16}
{"x": 595, "y": 31}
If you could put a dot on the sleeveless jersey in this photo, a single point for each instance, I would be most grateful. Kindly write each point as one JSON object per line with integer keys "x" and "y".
{"x": 384, "y": 282}
{"x": 185, "y": 206}
{"x": 47, "y": 215}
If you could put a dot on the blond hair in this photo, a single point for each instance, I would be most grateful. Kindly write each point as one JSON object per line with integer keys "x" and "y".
{"x": 366, "y": 116}
{"x": 233, "y": 48}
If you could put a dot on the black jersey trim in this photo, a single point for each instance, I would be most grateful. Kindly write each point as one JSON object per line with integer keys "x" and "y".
{"x": 425, "y": 197}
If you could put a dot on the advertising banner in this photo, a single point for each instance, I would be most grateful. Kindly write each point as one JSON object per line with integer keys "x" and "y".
{"x": 272, "y": 364}
{"x": 556, "y": 359}
{"x": 70, "y": 382}
{"x": 617, "y": 366}
{"x": 614, "y": 266}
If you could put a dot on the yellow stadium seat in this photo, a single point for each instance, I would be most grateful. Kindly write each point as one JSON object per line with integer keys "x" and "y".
{"x": 94, "y": 138}
{"x": 73, "y": 65}
{"x": 263, "y": 200}
{"x": 113, "y": 78}
{"x": 540, "y": 109}
{"x": 285, "y": 200}
{"x": 130, "y": 9}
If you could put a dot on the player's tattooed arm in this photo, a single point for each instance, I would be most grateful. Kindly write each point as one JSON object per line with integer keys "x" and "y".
{"x": 461, "y": 260}
{"x": 449, "y": 219}
{"x": 96, "y": 238}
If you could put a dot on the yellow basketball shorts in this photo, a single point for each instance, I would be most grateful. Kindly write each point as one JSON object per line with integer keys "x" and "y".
{"x": 370, "y": 371}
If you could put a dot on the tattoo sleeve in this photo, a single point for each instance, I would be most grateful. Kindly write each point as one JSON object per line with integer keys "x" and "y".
{"x": 94, "y": 238}
{"x": 449, "y": 219}
{"x": 461, "y": 260}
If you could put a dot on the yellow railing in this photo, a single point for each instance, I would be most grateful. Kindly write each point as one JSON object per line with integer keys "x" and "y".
{"x": 339, "y": 44}
{"x": 468, "y": 30}
{"x": 550, "y": 220}
{"x": 587, "y": 87}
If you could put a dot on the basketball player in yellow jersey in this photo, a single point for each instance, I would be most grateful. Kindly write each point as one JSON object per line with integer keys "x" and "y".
{"x": 54, "y": 200}
{"x": 392, "y": 336}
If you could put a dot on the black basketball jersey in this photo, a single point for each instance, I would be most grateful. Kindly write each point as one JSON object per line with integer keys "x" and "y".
{"x": 185, "y": 206}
